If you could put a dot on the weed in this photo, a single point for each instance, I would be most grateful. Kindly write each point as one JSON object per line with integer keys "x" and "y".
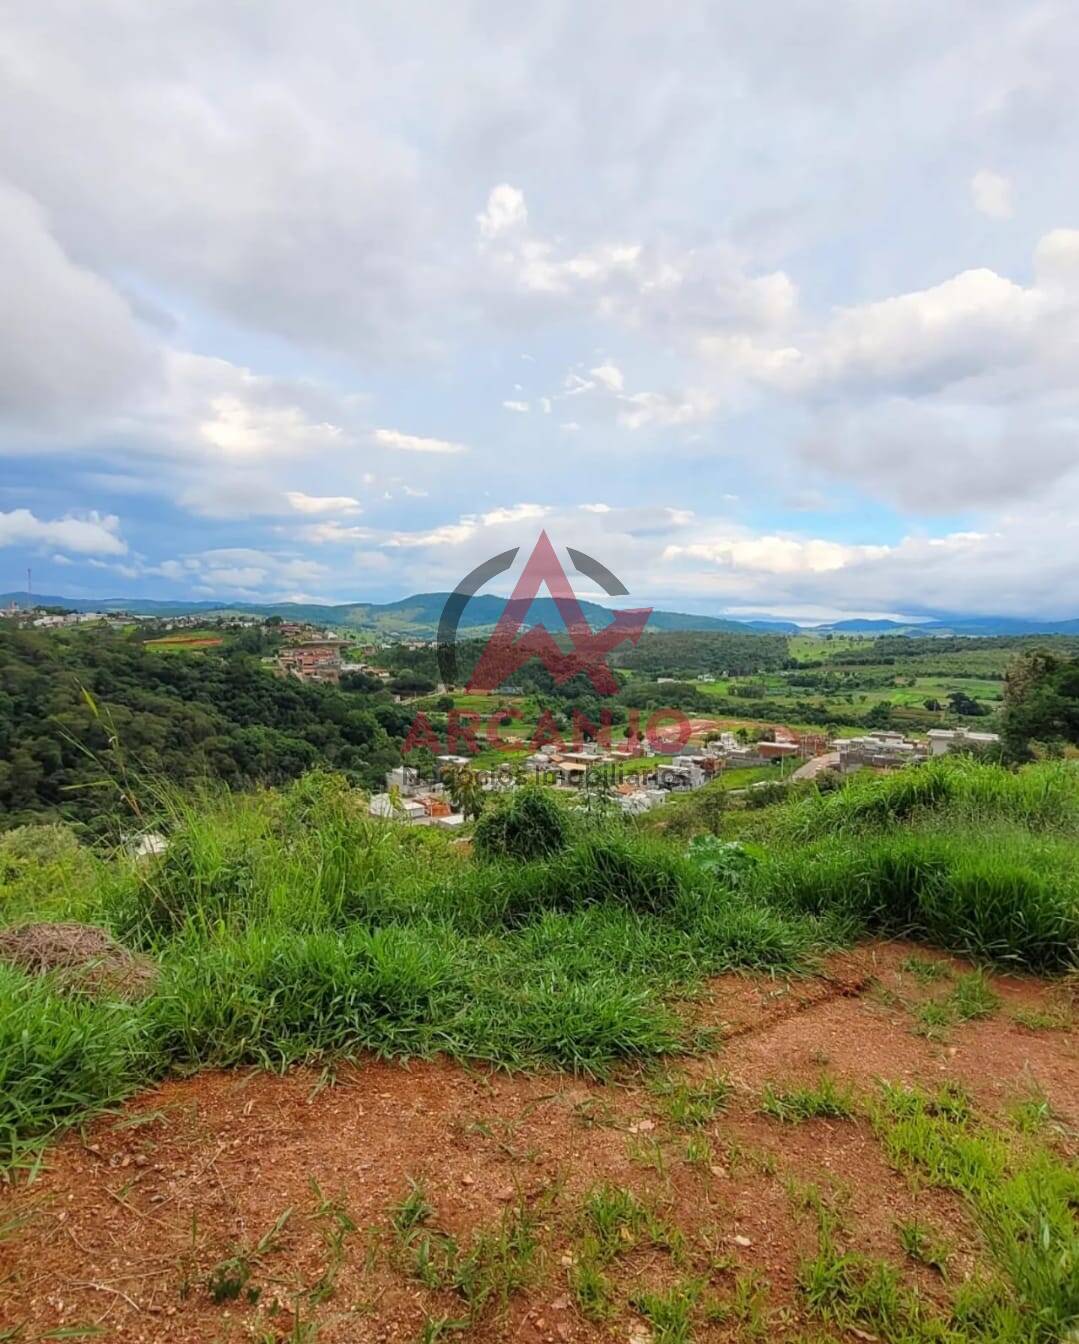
{"x": 232, "y": 1276}
{"x": 1022, "y": 1196}
{"x": 827, "y": 1098}
{"x": 1058, "y": 1016}
{"x": 592, "y": 1290}
{"x": 690, "y": 1105}
{"x": 619, "y": 1222}
{"x": 648, "y": 1153}
{"x": 747, "y": 1306}
{"x": 413, "y": 1210}
{"x": 922, "y": 1245}
{"x": 925, "y": 970}
{"x": 670, "y": 1313}
{"x": 337, "y": 1225}
{"x": 697, "y": 1151}
{"x": 933, "y": 1018}
{"x": 859, "y": 1293}
{"x": 436, "y": 1328}
{"x": 973, "y": 997}
{"x": 1031, "y": 1115}
{"x": 500, "y": 1261}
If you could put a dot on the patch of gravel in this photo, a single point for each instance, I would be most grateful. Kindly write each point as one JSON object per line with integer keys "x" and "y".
{"x": 82, "y": 956}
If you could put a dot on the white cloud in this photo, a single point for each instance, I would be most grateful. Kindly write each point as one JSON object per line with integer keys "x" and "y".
{"x": 640, "y": 409}
{"x": 71, "y": 351}
{"x": 609, "y": 376}
{"x": 322, "y": 503}
{"x": 239, "y": 429}
{"x": 332, "y": 533}
{"x": 522, "y": 407}
{"x": 241, "y": 571}
{"x": 991, "y": 194}
{"x": 516, "y": 513}
{"x": 95, "y": 534}
{"x": 506, "y": 210}
{"x": 775, "y": 554}
{"x": 449, "y": 534}
{"x": 414, "y": 443}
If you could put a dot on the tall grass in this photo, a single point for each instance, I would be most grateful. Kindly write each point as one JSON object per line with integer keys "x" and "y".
{"x": 1042, "y": 797}
{"x": 1003, "y": 895}
{"x": 289, "y": 925}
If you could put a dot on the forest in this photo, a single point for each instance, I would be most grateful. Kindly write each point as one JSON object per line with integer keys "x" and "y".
{"x": 68, "y": 702}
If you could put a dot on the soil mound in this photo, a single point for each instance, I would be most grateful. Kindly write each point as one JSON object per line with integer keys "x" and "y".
{"x": 83, "y": 956}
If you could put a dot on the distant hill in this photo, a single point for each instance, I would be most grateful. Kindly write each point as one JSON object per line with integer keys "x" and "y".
{"x": 956, "y": 625}
{"x": 418, "y": 616}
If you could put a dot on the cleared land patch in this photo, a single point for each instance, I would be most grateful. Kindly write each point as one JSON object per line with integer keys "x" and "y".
{"x": 375, "y": 1201}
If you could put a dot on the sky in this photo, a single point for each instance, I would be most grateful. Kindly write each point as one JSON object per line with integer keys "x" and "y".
{"x": 771, "y": 308}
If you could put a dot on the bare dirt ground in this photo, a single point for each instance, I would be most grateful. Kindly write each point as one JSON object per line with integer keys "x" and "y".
{"x": 133, "y": 1224}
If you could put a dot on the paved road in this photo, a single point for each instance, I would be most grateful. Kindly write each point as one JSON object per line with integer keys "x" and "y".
{"x": 812, "y": 768}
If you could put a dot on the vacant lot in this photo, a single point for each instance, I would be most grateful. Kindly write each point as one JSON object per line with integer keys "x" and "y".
{"x": 189, "y": 640}
{"x": 768, "y": 1189}
{"x": 582, "y": 1079}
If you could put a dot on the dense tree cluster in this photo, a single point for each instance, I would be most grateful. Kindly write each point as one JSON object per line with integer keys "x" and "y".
{"x": 180, "y": 717}
{"x": 1041, "y": 703}
{"x": 693, "y": 653}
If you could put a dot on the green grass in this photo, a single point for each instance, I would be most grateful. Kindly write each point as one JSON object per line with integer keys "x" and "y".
{"x": 1023, "y": 1197}
{"x": 825, "y": 1098}
{"x": 922, "y": 1244}
{"x": 289, "y": 926}
{"x": 500, "y": 1260}
{"x": 670, "y": 1312}
{"x": 688, "y": 1104}
{"x": 971, "y": 998}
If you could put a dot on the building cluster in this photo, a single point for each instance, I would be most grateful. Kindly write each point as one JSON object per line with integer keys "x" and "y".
{"x": 408, "y": 797}
{"x": 313, "y": 660}
{"x": 892, "y": 751}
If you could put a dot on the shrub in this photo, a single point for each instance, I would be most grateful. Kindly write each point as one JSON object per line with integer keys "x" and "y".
{"x": 60, "y": 1056}
{"x": 527, "y": 823}
{"x": 634, "y": 871}
{"x": 726, "y": 861}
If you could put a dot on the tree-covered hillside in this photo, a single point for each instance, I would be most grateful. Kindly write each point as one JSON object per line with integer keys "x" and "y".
{"x": 693, "y": 653}
{"x": 184, "y": 718}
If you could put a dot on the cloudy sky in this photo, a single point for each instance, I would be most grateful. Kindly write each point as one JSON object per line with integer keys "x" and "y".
{"x": 769, "y": 307}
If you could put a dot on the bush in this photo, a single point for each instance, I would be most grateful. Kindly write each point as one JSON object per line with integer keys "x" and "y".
{"x": 1001, "y": 896}
{"x": 642, "y": 874}
{"x": 528, "y": 823}
{"x": 726, "y": 861}
{"x": 60, "y": 1056}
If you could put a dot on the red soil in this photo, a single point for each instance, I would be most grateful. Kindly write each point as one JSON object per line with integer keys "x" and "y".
{"x": 125, "y": 1223}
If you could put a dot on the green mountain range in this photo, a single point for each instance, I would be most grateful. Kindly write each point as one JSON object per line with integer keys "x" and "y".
{"x": 418, "y": 616}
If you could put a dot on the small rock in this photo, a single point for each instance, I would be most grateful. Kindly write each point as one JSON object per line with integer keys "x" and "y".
{"x": 568, "y": 1258}
{"x": 468, "y": 1180}
{"x": 505, "y": 1194}
{"x": 720, "y": 1172}
{"x": 642, "y": 1126}
{"x": 561, "y": 1304}
{"x": 741, "y": 1241}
